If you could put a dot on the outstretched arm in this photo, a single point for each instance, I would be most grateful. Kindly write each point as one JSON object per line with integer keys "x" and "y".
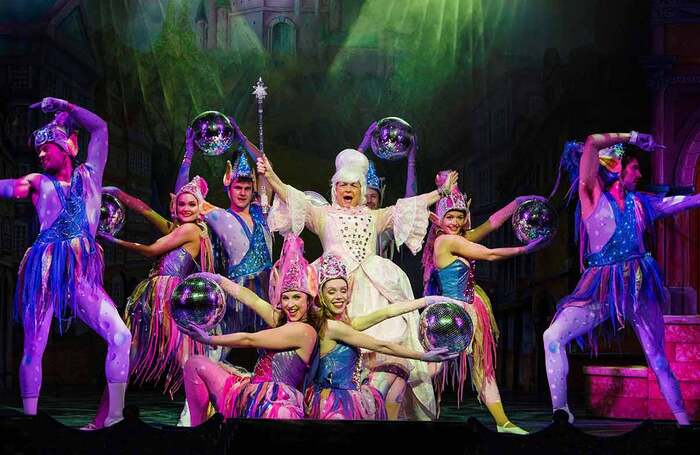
{"x": 293, "y": 335}
{"x": 459, "y": 246}
{"x": 397, "y": 309}
{"x": 498, "y": 218}
{"x": 411, "y": 186}
{"x": 182, "y": 235}
{"x": 342, "y": 332}
{"x": 140, "y": 207}
{"x": 20, "y": 188}
{"x": 671, "y": 205}
{"x": 250, "y": 299}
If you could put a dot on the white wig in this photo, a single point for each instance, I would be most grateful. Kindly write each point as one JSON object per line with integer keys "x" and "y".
{"x": 350, "y": 167}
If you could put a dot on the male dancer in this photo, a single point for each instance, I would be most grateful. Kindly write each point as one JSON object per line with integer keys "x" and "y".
{"x": 241, "y": 231}
{"x": 61, "y": 273}
{"x": 621, "y": 281}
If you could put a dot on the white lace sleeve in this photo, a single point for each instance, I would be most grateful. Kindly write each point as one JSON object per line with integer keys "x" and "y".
{"x": 409, "y": 221}
{"x": 293, "y": 215}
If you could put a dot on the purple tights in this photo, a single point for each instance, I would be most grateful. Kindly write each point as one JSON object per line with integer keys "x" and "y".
{"x": 94, "y": 308}
{"x": 574, "y": 322}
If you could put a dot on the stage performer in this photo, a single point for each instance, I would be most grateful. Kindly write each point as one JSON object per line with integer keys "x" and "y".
{"x": 338, "y": 391}
{"x": 449, "y": 261}
{"x": 288, "y": 351}
{"x": 240, "y": 233}
{"x": 159, "y": 349}
{"x": 621, "y": 282}
{"x": 349, "y": 229}
{"x": 61, "y": 273}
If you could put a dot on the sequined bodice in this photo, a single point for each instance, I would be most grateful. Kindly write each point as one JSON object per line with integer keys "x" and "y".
{"x": 257, "y": 258}
{"x": 625, "y": 242}
{"x": 72, "y": 221}
{"x": 356, "y": 232}
{"x": 340, "y": 368}
{"x": 280, "y": 366}
{"x": 178, "y": 262}
{"x": 457, "y": 280}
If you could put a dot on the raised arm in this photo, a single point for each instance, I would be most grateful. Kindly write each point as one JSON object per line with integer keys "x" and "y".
{"x": 183, "y": 175}
{"x": 182, "y": 235}
{"x": 256, "y": 153}
{"x": 265, "y": 170}
{"x": 250, "y": 299}
{"x": 98, "y": 146}
{"x": 140, "y": 207}
{"x": 590, "y": 186}
{"x": 342, "y": 332}
{"x": 411, "y": 185}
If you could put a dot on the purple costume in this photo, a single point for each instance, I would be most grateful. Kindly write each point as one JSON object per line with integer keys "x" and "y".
{"x": 273, "y": 391}
{"x": 622, "y": 284}
{"x": 159, "y": 347}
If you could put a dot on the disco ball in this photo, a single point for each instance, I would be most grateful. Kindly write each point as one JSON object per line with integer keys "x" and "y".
{"x": 198, "y": 300}
{"x": 534, "y": 219}
{"x": 315, "y": 199}
{"x": 112, "y": 215}
{"x": 213, "y": 133}
{"x": 445, "y": 325}
{"x": 392, "y": 139}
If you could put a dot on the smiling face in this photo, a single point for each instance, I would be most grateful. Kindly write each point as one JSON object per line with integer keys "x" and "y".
{"x": 295, "y": 304}
{"x": 347, "y": 194}
{"x": 335, "y": 296}
{"x": 453, "y": 222}
{"x": 241, "y": 193}
{"x": 186, "y": 208}
{"x": 53, "y": 158}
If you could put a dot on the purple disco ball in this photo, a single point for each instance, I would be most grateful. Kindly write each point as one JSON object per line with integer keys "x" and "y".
{"x": 213, "y": 133}
{"x": 198, "y": 300}
{"x": 445, "y": 325}
{"x": 392, "y": 139}
{"x": 534, "y": 219}
{"x": 112, "y": 215}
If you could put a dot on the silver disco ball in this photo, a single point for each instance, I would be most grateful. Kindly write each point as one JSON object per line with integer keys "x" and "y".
{"x": 213, "y": 133}
{"x": 393, "y": 139}
{"x": 198, "y": 300}
{"x": 534, "y": 219}
{"x": 445, "y": 325}
{"x": 112, "y": 215}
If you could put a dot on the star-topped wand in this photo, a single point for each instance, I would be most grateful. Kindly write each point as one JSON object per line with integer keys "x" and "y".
{"x": 260, "y": 92}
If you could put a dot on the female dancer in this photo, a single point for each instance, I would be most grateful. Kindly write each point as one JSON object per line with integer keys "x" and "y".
{"x": 337, "y": 391}
{"x": 288, "y": 358}
{"x": 449, "y": 260}
{"x": 158, "y": 347}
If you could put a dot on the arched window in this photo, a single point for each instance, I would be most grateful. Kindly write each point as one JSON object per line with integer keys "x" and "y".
{"x": 281, "y": 36}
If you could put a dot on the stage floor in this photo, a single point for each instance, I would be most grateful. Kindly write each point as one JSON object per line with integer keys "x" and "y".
{"x": 75, "y": 407}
